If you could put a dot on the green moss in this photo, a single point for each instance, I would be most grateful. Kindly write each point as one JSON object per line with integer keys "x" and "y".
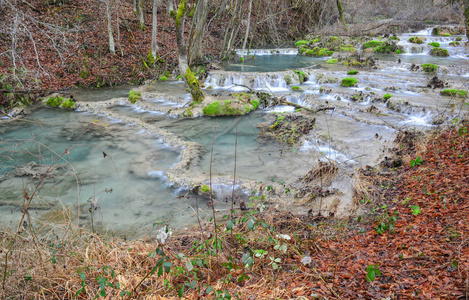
{"x": 134, "y": 96}
{"x": 387, "y": 96}
{"x": 388, "y": 47}
{"x": 436, "y": 31}
{"x": 85, "y": 74}
{"x": 287, "y": 79}
{"x": 68, "y": 104}
{"x": 181, "y": 11}
{"x": 205, "y": 188}
{"x": 394, "y": 38}
{"x": 352, "y": 72}
{"x": 228, "y": 107}
{"x": 454, "y": 93}
{"x": 241, "y": 59}
{"x": 349, "y": 81}
{"x": 163, "y": 78}
{"x": 302, "y": 77}
{"x": 301, "y": 43}
{"x": 295, "y": 88}
{"x": 194, "y": 86}
{"x": 429, "y": 22}
{"x": 458, "y": 39}
{"x": 429, "y": 68}
{"x": 439, "y": 52}
{"x": 348, "y": 48}
{"x": 454, "y": 44}
{"x": 255, "y": 104}
{"x": 332, "y": 61}
{"x": 398, "y": 51}
{"x": 417, "y": 40}
{"x": 372, "y": 44}
{"x": 54, "y": 101}
{"x": 446, "y": 34}
{"x": 434, "y": 44}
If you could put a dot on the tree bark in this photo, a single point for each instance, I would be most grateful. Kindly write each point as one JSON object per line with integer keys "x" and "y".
{"x": 141, "y": 20}
{"x": 200, "y": 18}
{"x": 134, "y": 7}
{"x": 186, "y": 73}
{"x": 466, "y": 17}
{"x": 154, "y": 31}
{"x": 112, "y": 47}
{"x": 248, "y": 25}
{"x": 341, "y": 11}
{"x": 169, "y": 7}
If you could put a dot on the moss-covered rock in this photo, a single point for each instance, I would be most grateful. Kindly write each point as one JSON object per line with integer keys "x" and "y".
{"x": 417, "y": 40}
{"x": 287, "y": 128}
{"x": 439, "y": 52}
{"x": 352, "y": 72}
{"x": 429, "y": 68}
{"x": 61, "y": 102}
{"x": 135, "y": 96}
{"x": 288, "y": 79}
{"x": 163, "y": 78}
{"x": 389, "y": 47}
{"x": 454, "y": 93}
{"x": 295, "y": 88}
{"x": 349, "y": 81}
{"x": 372, "y": 44}
{"x": 455, "y": 44}
{"x": 434, "y": 44}
{"x": 302, "y": 77}
{"x": 458, "y": 39}
{"x": 242, "y": 104}
{"x": 387, "y": 96}
{"x": 332, "y": 61}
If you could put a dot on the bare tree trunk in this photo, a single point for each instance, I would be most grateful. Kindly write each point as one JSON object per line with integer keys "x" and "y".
{"x": 466, "y": 17}
{"x": 112, "y": 47}
{"x": 341, "y": 11}
{"x": 186, "y": 73}
{"x": 141, "y": 20}
{"x": 134, "y": 7}
{"x": 154, "y": 31}
{"x": 200, "y": 18}
{"x": 169, "y": 7}
{"x": 248, "y": 25}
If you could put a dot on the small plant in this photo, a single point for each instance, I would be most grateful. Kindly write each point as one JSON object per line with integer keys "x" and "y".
{"x": 349, "y": 81}
{"x": 386, "y": 223}
{"x": 205, "y": 188}
{"x": 332, "y": 61}
{"x": 434, "y": 44}
{"x": 352, "y": 72}
{"x": 415, "y": 209}
{"x": 134, "y": 96}
{"x": 429, "y": 68}
{"x": 387, "y": 96}
{"x": 416, "y": 162}
{"x": 371, "y": 272}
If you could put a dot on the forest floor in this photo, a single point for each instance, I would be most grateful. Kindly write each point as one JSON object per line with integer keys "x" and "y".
{"x": 410, "y": 241}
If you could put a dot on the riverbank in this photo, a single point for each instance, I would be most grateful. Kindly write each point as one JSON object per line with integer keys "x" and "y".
{"x": 409, "y": 242}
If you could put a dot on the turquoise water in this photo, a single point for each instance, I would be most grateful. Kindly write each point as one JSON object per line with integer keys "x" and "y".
{"x": 272, "y": 63}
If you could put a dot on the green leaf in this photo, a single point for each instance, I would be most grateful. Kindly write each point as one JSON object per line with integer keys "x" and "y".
{"x": 415, "y": 210}
{"x": 82, "y": 276}
{"x": 229, "y": 225}
{"x": 181, "y": 292}
{"x": 160, "y": 271}
{"x": 53, "y": 260}
{"x": 250, "y": 224}
{"x": 167, "y": 266}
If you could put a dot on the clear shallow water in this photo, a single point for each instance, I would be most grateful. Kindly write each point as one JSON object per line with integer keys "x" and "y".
{"x": 273, "y": 63}
{"x": 137, "y": 198}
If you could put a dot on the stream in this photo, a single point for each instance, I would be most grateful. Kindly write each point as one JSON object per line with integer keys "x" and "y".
{"x": 123, "y": 167}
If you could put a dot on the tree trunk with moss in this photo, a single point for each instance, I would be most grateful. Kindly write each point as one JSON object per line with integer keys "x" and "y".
{"x": 154, "y": 30}
{"x": 341, "y": 11}
{"x": 184, "y": 69}
{"x": 141, "y": 20}
{"x": 466, "y": 17}
{"x": 112, "y": 47}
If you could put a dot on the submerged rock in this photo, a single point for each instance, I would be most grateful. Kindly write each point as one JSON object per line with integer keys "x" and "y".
{"x": 288, "y": 128}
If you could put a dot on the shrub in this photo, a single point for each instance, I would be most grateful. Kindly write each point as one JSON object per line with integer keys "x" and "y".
{"x": 429, "y": 67}
{"x": 434, "y": 44}
{"x": 352, "y": 72}
{"x": 349, "y": 81}
{"x": 454, "y": 93}
{"x": 332, "y": 61}
{"x": 372, "y": 44}
{"x": 387, "y": 96}
{"x": 134, "y": 96}
{"x": 417, "y": 40}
